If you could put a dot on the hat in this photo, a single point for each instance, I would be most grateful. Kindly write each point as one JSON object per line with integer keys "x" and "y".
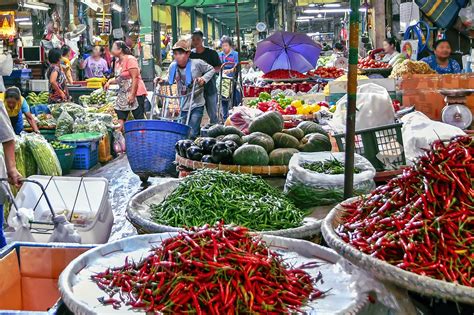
{"x": 182, "y": 44}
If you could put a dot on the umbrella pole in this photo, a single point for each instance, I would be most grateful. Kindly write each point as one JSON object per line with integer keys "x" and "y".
{"x": 352, "y": 98}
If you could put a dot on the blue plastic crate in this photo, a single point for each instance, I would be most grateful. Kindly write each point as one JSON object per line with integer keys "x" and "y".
{"x": 86, "y": 154}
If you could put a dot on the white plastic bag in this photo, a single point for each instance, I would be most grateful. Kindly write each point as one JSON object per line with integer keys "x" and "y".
{"x": 374, "y": 109}
{"x": 119, "y": 143}
{"x": 309, "y": 189}
{"x": 6, "y": 64}
{"x": 21, "y": 223}
{"x": 467, "y": 17}
{"x": 64, "y": 231}
{"x": 419, "y": 132}
{"x": 242, "y": 116}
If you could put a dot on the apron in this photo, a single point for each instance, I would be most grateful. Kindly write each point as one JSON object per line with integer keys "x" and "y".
{"x": 125, "y": 87}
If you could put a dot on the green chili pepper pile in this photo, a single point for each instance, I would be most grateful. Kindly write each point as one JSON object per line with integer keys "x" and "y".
{"x": 214, "y": 270}
{"x": 208, "y": 196}
{"x": 330, "y": 166}
{"x": 423, "y": 220}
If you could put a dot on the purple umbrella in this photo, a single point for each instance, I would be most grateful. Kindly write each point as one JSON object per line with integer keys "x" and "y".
{"x": 285, "y": 50}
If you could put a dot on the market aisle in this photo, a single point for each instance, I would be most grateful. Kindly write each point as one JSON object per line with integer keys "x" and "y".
{"x": 123, "y": 184}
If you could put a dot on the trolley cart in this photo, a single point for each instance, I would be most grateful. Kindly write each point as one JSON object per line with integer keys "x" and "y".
{"x": 38, "y": 227}
{"x": 151, "y": 143}
{"x": 82, "y": 201}
{"x": 234, "y": 83}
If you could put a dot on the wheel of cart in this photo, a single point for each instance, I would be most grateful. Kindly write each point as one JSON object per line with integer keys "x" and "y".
{"x": 151, "y": 143}
{"x": 231, "y": 84}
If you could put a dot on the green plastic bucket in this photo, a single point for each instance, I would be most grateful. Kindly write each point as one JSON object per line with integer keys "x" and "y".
{"x": 66, "y": 158}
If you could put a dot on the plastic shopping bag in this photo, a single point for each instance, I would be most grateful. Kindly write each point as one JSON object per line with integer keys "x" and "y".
{"x": 119, "y": 143}
{"x": 419, "y": 132}
{"x": 242, "y": 116}
{"x": 309, "y": 189}
{"x": 374, "y": 109}
{"x": 20, "y": 221}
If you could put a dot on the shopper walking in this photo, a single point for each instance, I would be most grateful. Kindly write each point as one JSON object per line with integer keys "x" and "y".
{"x": 229, "y": 58}
{"x": 132, "y": 91}
{"x": 66, "y": 63}
{"x": 184, "y": 71}
{"x": 95, "y": 66}
{"x": 211, "y": 57}
{"x": 58, "y": 91}
{"x": 7, "y": 163}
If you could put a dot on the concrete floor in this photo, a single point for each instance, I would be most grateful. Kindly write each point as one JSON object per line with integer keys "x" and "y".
{"x": 123, "y": 184}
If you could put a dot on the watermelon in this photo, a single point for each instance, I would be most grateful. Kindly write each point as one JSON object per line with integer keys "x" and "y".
{"x": 250, "y": 154}
{"x": 215, "y": 131}
{"x": 282, "y": 140}
{"x": 231, "y": 130}
{"x": 315, "y": 142}
{"x": 234, "y": 137}
{"x": 261, "y": 139}
{"x": 311, "y": 127}
{"x": 295, "y": 132}
{"x": 281, "y": 156}
{"x": 268, "y": 123}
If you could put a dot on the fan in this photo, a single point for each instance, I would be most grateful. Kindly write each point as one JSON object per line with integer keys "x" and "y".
{"x": 75, "y": 31}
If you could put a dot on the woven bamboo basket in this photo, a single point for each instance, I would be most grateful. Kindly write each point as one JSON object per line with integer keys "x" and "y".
{"x": 267, "y": 170}
{"x": 139, "y": 214}
{"x": 388, "y": 273}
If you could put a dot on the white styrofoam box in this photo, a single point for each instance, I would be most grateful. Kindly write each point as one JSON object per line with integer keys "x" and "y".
{"x": 39, "y": 85}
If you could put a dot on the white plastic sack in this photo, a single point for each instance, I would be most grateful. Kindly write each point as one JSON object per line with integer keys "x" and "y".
{"x": 6, "y": 64}
{"x": 64, "y": 231}
{"x": 21, "y": 223}
{"x": 419, "y": 132}
{"x": 374, "y": 109}
{"x": 308, "y": 189}
{"x": 467, "y": 17}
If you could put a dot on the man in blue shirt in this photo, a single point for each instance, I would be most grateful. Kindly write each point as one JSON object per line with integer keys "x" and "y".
{"x": 230, "y": 56}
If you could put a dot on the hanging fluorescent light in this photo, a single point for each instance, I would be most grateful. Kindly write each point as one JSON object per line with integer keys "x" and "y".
{"x": 114, "y": 6}
{"x": 36, "y": 5}
{"x": 92, "y": 5}
{"x": 25, "y": 23}
{"x": 320, "y": 15}
{"x": 314, "y": 11}
{"x": 131, "y": 22}
{"x": 311, "y": 5}
{"x": 22, "y": 19}
{"x": 332, "y": 5}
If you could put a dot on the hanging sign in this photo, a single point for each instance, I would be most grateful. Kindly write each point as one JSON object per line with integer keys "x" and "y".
{"x": 410, "y": 49}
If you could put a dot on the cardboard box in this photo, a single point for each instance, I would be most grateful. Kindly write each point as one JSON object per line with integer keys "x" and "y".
{"x": 29, "y": 274}
{"x": 422, "y": 91}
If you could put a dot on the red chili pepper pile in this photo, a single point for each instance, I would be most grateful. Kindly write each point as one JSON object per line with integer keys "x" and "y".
{"x": 327, "y": 72}
{"x": 423, "y": 220}
{"x": 281, "y": 74}
{"x": 214, "y": 270}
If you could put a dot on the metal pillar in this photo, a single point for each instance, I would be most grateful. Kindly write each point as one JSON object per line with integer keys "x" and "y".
{"x": 261, "y": 8}
{"x": 214, "y": 30}
{"x": 174, "y": 23}
{"x": 205, "y": 29}
{"x": 193, "y": 19}
{"x": 352, "y": 98}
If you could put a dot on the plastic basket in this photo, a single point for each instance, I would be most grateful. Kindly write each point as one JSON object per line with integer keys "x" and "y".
{"x": 382, "y": 146}
{"x": 39, "y": 109}
{"x": 86, "y": 154}
{"x": 48, "y": 134}
{"x": 150, "y": 146}
{"x": 66, "y": 159}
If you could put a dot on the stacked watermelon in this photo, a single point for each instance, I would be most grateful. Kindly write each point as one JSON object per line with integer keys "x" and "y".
{"x": 266, "y": 144}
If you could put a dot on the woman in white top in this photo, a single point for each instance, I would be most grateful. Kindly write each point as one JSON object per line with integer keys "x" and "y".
{"x": 390, "y": 49}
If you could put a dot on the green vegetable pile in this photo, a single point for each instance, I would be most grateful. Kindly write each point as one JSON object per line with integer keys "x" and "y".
{"x": 207, "y": 196}
{"x": 44, "y": 155}
{"x": 330, "y": 166}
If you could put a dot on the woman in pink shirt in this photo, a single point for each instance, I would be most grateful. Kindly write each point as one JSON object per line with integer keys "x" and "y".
{"x": 132, "y": 91}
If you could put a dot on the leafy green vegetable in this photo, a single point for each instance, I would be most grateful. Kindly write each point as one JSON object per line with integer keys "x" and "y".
{"x": 330, "y": 166}
{"x": 44, "y": 155}
{"x": 207, "y": 196}
{"x": 264, "y": 96}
